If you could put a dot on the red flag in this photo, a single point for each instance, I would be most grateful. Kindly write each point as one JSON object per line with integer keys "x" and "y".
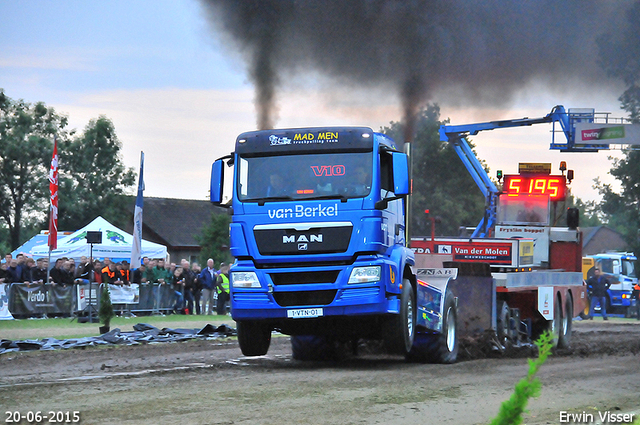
{"x": 53, "y": 188}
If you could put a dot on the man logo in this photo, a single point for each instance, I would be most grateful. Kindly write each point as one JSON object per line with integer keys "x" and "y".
{"x": 302, "y": 246}
{"x": 302, "y": 238}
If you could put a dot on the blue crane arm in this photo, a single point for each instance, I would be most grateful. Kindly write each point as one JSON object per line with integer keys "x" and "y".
{"x": 457, "y": 136}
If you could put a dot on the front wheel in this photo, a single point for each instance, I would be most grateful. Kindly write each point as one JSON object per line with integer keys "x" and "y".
{"x": 254, "y": 338}
{"x": 400, "y": 329}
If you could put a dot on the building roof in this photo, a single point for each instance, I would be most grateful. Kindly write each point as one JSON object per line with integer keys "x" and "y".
{"x": 601, "y": 239}
{"x": 176, "y": 222}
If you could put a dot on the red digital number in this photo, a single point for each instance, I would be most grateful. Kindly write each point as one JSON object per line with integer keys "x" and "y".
{"x": 553, "y": 186}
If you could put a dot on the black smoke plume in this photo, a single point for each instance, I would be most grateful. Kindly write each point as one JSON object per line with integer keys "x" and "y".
{"x": 486, "y": 50}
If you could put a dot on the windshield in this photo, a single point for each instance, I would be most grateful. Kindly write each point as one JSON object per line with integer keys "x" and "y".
{"x": 628, "y": 268}
{"x": 336, "y": 175}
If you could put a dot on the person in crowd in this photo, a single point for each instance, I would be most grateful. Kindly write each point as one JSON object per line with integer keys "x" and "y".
{"x": 222, "y": 284}
{"x": 125, "y": 273}
{"x": 111, "y": 275}
{"x": 3, "y": 272}
{"x": 28, "y": 272}
{"x": 159, "y": 273}
{"x": 7, "y": 259}
{"x": 208, "y": 279}
{"x": 188, "y": 280}
{"x": 197, "y": 292}
{"x": 59, "y": 274}
{"x": 635, "y": 294}
{"x": 97, "y": 271}
{"x": 40, "y": 272}
{"x": 13, "y": 273}
{"x": 84, "y": 270}
{"x": 597, "y": 286}
{"x": 177, "y": 284}
{"x": 21, "y": 261}
{"x": 139, "y": 275}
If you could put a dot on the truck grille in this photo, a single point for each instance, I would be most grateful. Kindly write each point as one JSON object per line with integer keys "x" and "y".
{"x": 318, "y": 240}
{"x": 297, "y": 278}
{"x": 302, "y": 298}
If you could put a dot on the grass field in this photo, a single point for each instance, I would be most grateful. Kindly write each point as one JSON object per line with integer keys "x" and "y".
{"x": 65, "y": 328}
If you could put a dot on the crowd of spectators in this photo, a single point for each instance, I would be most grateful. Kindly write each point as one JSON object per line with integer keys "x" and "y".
{"x": 196, "y": 291}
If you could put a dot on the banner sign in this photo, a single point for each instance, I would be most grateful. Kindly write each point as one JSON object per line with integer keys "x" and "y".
{"x": 510, "y": 253}
{"x": 614, "y": 134}
{"x": 83, "y": 297}
{"x": 124, "y": 294}
{"x": 40, "y": 299}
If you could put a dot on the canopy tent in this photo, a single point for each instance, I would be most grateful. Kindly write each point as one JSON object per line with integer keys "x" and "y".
{"x": 41, "y": 238}
{"x": 116, "y": 244}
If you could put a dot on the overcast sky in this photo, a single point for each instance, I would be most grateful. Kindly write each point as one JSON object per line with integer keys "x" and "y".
{"x": 175, "y": 91}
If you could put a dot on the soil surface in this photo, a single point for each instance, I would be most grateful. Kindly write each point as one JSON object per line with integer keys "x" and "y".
{"x": 210, "y": 382}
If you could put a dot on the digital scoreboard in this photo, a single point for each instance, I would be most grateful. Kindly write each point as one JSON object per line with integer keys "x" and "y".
{"x": 553, "y": 186}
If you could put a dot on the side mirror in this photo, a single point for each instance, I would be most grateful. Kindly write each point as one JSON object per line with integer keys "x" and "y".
{"x": 221, "y": 179}
{"x": 400, "y": 174}
{"x": 217, "y": 181}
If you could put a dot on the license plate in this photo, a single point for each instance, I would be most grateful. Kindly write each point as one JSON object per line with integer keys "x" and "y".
{"x": 304, "y": 313}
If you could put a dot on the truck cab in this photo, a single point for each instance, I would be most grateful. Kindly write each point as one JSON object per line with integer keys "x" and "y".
{"x": 319, "y": 235}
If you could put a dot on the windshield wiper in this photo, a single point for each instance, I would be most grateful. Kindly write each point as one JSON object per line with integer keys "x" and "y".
{"x": 262, "y": 201}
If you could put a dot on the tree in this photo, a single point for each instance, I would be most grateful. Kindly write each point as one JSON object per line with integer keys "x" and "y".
{"x": 441, "y": 184}
{"x": 92, "y": 177}
{"x": 214, "y": 240}
{"x": 26, "y": 145}
{"x": 621, "y": 59}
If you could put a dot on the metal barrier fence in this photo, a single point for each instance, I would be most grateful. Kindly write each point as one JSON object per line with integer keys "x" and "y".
{"x": 37, "y": 300}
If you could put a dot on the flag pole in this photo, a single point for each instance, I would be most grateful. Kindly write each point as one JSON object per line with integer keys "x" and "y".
{"x": 53, "y": 208}
{"x": 136, "y": 247}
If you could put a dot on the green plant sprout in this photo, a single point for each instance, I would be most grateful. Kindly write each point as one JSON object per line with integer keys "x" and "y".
{"x": 511, "y": 410}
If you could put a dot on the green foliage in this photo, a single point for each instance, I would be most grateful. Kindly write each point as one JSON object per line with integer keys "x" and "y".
{"x": 105, "y": 311}
{"x": 214, "y": 240}
{"x": 26, "y": 144}
{"x": 92, "y": 179}
{"x": 441, "y": 184}
{"x": 590, "y": 214}
{"x": 512, "y": 409}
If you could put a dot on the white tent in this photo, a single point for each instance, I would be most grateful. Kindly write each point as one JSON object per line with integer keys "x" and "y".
{"x": 116, "y": 244}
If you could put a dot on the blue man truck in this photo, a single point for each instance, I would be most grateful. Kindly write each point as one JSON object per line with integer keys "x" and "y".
{"x": 321, "y": 240}
{"x": 319, "y": 235}
{"x": 620, "y": 269}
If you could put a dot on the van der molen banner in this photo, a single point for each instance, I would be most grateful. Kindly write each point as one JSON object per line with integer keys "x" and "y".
{"x": 610, "y": 134}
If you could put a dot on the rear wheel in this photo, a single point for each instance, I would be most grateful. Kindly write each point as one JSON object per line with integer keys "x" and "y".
{"x": 441, "y": 347}
{"x": 254, "y": 338}
{"x": 567, "y": 320}
{"x": 400, "y": 329}
{"x": 502, "y": 323}
{"x": 555, "y": 326}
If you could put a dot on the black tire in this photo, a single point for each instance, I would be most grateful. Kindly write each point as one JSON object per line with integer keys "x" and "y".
{"x": 567, "y": 324}
{"x": 254, "y": 338}
{"x": 400, "y": 329}
{"x": 441, "y": 347}
{"x": 502, "y": 323}
{"x": 312, "y": 348}
{"x": 555, "y": 326}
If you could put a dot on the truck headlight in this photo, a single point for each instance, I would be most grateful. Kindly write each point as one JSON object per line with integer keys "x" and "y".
{"x": 365, "y": 274}
{"x": 245, "y": 280}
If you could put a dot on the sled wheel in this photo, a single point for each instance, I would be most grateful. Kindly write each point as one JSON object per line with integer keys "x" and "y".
{"x": 567, "y": 319}
{"x": 502, "y": 323}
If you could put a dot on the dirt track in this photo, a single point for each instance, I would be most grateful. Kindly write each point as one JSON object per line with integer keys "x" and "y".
{"x": 209, "y": 382}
